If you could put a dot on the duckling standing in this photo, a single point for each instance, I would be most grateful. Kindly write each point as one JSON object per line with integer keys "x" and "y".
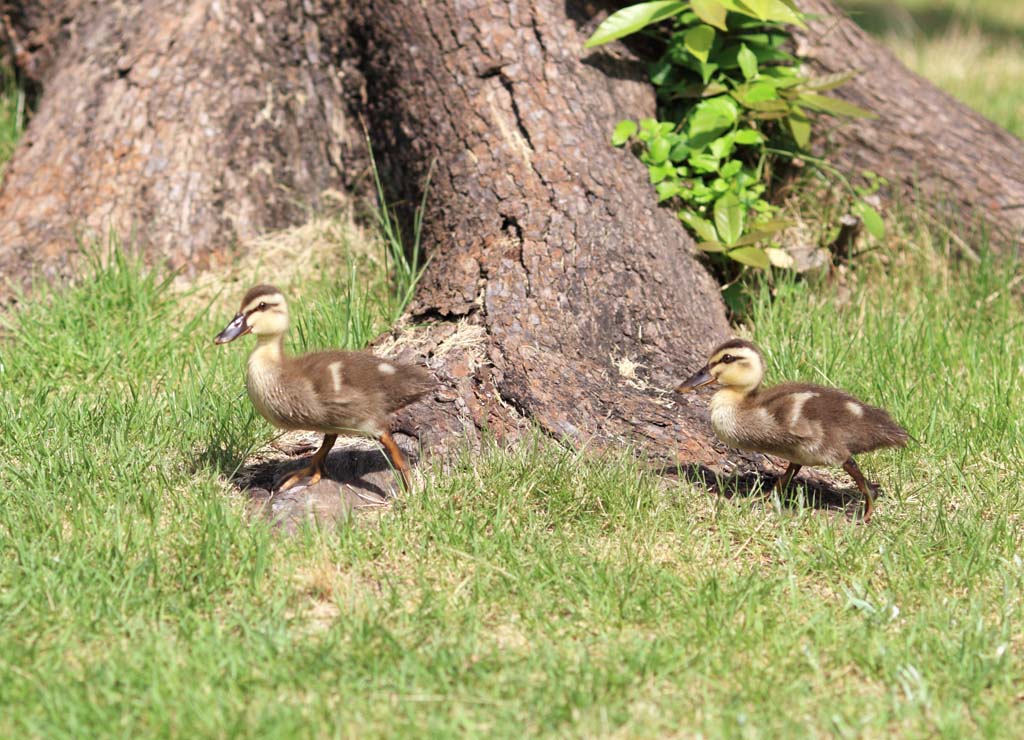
{"x": 334, "y": 393}
{"x": 803, "y": 423}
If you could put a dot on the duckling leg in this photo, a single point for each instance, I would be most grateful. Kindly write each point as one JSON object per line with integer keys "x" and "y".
{"x": 397, "y": 458}
{"x": 315, "y": 469}
{"x": 783, "y": 483}
{"x": 858, "y": 477}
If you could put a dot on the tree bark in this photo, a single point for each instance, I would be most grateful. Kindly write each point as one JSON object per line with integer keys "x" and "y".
{"x": 184, "y": 127}
{"x": 930, "y": 146}
{"x": 540, "y": 232}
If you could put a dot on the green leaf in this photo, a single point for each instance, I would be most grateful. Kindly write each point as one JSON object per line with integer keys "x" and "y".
{"x": 698, "y": 41}
{"x": 729, "y": 217}
{"x": 711, "y": 246}
{"x": 710, "y": 118}
{"x": 622, "y": 132}
{"x": 659, "y": 172}
{"x": 748, "y": 62}
{"x": 752, "y": 238}
{"x": 661, "y": 71}
{"x": 799, "y": 127}
{"x": 760, "y": 96}
{"x": 666, "y": 190}
{"x": 828, "y": 82}
{"x": 834, "y": 106}
{"x": 730, "y": 168}
{"x": 659, "y": 149}
{"x": 872, "y": 219}
{"x": 768, "y": 115}
{"x": 704, "y": 163}
{"x": 632, "y": 19}
{"x": 774, "y": 10}
{"x": 748, "y": 136}
{"x": 777, "y": 107}
{"x": 753, "y": 256}
{"x": 711, "y": 12}
{"x": 770, "y": 227}
{"x": 722, "y": 146}
{"x": 760, "y": 92}
{"x": 700, "y": 226}
{"x": 707, "y": 70}
{"x": 680, "y": 151}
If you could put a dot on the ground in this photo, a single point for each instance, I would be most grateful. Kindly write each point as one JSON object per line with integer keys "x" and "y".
{"x": 534, "y": 591}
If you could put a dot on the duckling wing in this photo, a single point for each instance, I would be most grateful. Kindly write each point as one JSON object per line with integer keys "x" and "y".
{"x": 831, "y": 424}
{"x": 357, "y": 390}
{"x": 395, "y": 384}
{"x": 796, "y": 408}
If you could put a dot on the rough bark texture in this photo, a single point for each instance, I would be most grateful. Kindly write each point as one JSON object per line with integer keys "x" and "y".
{"x": 539, "y": 230}
{"x": 927, "y": 144}
{"x": 183, "y": 126}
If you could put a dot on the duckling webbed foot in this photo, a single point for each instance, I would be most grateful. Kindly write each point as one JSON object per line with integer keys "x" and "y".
{"x": 850, "y": 466}
{"x": 315, "y": 469}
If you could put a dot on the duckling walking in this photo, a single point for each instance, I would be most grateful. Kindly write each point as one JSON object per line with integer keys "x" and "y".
{"x": 803, "y": 423}
{"x": 334, "y": 393}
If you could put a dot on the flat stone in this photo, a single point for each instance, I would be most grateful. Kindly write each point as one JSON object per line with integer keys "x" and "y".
{"x": 359, "y": 477}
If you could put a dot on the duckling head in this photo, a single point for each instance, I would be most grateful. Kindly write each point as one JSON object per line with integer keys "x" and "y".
{"x": 736, "y": 364}
{"x": 264, "y": 312}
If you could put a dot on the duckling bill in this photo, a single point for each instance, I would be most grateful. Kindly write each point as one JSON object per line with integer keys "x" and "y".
{"x": 333, "y": 393}
{"x": 803, "y": 423}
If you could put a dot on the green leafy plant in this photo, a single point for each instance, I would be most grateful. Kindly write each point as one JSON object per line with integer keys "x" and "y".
{"x": 732, "y": 101}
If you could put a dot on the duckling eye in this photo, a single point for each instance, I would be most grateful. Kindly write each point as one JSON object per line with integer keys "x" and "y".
{"x": 727, "y": 359}
{"x": 262, "y": 306}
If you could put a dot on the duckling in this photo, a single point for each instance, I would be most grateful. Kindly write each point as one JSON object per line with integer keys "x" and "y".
{"x": 334, "y": 392}
{"x": 802, "y": 423}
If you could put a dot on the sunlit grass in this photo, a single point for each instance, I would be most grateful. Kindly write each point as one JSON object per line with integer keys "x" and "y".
{"x": 533, "y": 591}
{"x": 973, "y": 49}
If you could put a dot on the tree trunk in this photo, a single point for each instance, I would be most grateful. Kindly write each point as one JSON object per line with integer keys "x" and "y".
{"x": 184, "y": 127}
{"x": 926, "y": 143}
{"x": 540, "y": 232}
{"x": 558, "y": 291}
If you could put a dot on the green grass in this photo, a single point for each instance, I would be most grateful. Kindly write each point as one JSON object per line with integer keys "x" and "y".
{"x": 534, "y": 591}
{"x": 973, "y": 49}
{"x": 12, "y": 115}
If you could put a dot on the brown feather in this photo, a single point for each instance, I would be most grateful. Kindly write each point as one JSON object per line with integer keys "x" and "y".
{"x": 338, "y": 391}
{"x": 258, "y": 291}
{"x": 821, "y": 421}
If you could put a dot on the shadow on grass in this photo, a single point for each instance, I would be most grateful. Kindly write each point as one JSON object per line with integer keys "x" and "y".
{"x": 806, "y": 490}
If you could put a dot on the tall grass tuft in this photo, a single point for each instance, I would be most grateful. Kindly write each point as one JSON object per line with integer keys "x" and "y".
{"x": 12, "y": 114}
{"x": 405, "y": 262}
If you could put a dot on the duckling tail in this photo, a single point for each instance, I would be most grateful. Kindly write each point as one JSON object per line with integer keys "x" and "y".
{"x": 408, "y": 384}
{"x": 876, "y": 431}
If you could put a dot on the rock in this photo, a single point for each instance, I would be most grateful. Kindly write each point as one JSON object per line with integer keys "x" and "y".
{"x": 359, "y": 476}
